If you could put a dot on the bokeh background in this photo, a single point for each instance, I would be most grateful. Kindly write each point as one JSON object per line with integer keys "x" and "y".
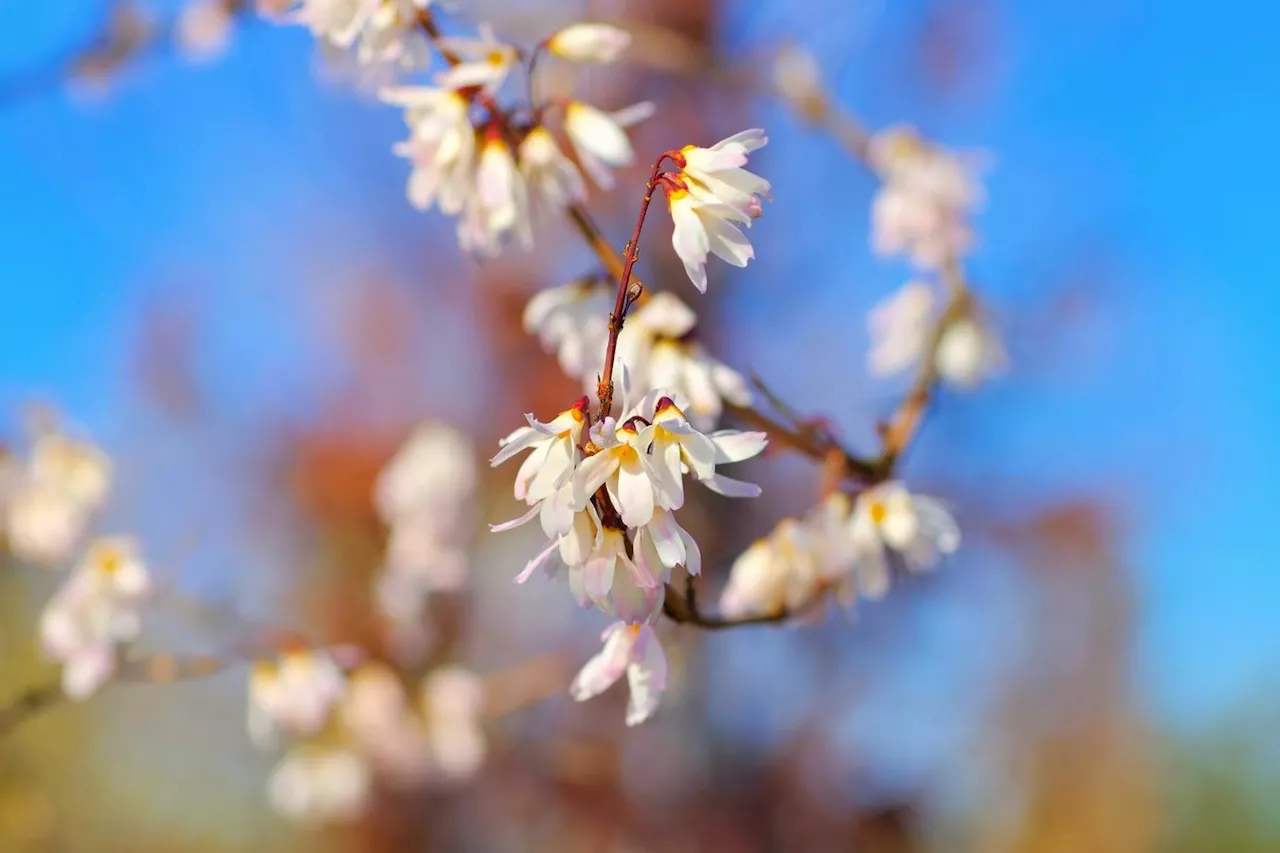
{"x": 212, "y": 268}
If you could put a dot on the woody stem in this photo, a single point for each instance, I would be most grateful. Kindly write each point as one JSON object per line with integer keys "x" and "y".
{"x": 625, "y": 299}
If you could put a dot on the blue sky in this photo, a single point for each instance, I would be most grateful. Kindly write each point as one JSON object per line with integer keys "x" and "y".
{"x": 1131, "y": 147}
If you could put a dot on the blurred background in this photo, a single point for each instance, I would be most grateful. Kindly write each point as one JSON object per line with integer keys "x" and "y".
{"x": 210, "y": 266}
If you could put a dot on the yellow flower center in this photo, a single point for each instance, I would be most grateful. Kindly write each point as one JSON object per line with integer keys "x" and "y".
{"x": 878, "y": 511}
{"x": 496, "y": 58}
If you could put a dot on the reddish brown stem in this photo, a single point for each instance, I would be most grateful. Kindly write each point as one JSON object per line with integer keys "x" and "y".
{"x": 626, "y": 298}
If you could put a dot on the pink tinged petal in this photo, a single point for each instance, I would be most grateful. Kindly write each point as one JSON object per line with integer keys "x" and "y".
{"x": 537, "y": 561}
{"x": 602, "y": 671}
{"x": 634, "y": 604}
{"x": 665, "y": 532}
{"x": 727, "y": 242}
{"x": 597, "y": 577}
{"x": 667, "y": 475}
{"x": 735, "y": 446}
{"x": 515, "y": 522}
{"x": 692, "y": 554}
{"x": 635, "y": 493}
{"x": 646, "y": 677}
{"x": 730, "y": 487}
{"x": 85, "y": 673}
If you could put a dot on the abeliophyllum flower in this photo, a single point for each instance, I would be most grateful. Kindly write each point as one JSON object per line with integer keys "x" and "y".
{"x": 902, "y": 327}
{"x": 606, "y": 500}
{"x": 891, "y": 526}
{"x": 382, "y": 33}
{"x": 656, "y": 346}
{"x": 710, "y": 198}
{"x": 922, "y": 209}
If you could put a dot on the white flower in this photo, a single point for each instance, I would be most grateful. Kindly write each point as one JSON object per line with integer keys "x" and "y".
{"x": 453, "y": 706}
{"x": 922, "y": 208}
{"x": 93, "y": 612}
{"x": 500, "y": 206}
{"x": 686, "y": 368}
{"x": 635, "y": 651}
{"x": 441, "y": 146}
{"x": 676, "y": 445}
{"x": 969, "y": 352}
{"x": 554, "y": 455}
{"x": 573, "y": 320}
{"x": 77, "y": 468}
{"x": 430, "y": 479}
{"x": 599, "y": 139}
{"x": 623, "y": 467}
{"x": 890, "y": 524}
{"x": 619, "y": 584}
{"x": 319, "y": 783}
{"x": 44, "y": 523}
{"x": 899, "y": 328}
{"x": 797, "y": 78}
{"x": 589, "y": 43}
{"x": 382, "y": 31}
{"x": 775, "y": 573}
{"x": 203, "y": 29}
{"x": 485, "y": 61}
{"x": 293, "y": 695}
{"x": 713, "y": 196}
{"x": 548, "y": 171}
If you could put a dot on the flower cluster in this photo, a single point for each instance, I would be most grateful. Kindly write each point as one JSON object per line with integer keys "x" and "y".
{"x": 847, "y": 547}
{"x": 424, "y": 495}
{"x": 382, "y": 34}
{"x": 923, "y": 206}
{"x": 348, "y": 733}
{"x": 470, "y": 160}
{"x": 655, "y": 346}
{"x": 95, "y": 611}
{"x": 50, "y": 498}
{"x": 605, "y": 496}
{"x": 904, "y": 331}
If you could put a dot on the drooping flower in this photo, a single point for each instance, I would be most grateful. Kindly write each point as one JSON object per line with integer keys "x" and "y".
{"x": 553, "y": 456}
{"x": 899, "y": 328}
{"x": 623, "y": 467}
{"x": 890, "y": 525}
{"x": 453, "y": 700}
{"x": 922, "y": 209}
{"x": 293, "y": 695}
{"x": 712, "y": 196}
{"x": 633, "y": 650}
{"x": 316, "y": 783}
{"x": 94, "y": 612}
{"x": 441, "y": 146}
{"x": 584, "y": 42}
{"x": 677, "y": 445}
{"x": 485, "y": 61}
{"x": 599, "y": 139}
{"x": 776, "y": 573}
{"x": 547, "y": 170}
{"x": 499, "y": 208}
{"x": 686, "y": 368}
{"x": 573, "y": 321}
{"x": 383, "y": 32}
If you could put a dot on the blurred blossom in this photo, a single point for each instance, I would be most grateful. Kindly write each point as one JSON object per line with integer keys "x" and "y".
{"x": 589, "y": 43}
{"x": 441, "y": 146}
{"x": 485, "y": 61}
{"x": 969, "y": 352}
{"x": 382, "y": 33}
{"x": 890, "y": 525}
{"x": 453, "y": 705}
{"x": 922, "y": 209}
{"x": 432, "y": 476}
{"x": 633, "y": 650}
{"x": 93, "y": 612}
{"x": 710, "y": 197}
{"x": 776, "y": 573}
{"x": 204, "y": 28}
{"x": 599, "y": 139}
{"x": 293, "y": 695}
{"x": 797, "y": 78}
{"x": 548, "y": 172}
{"x": 317, "y": 783}
{"x": 497, "y": 213}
